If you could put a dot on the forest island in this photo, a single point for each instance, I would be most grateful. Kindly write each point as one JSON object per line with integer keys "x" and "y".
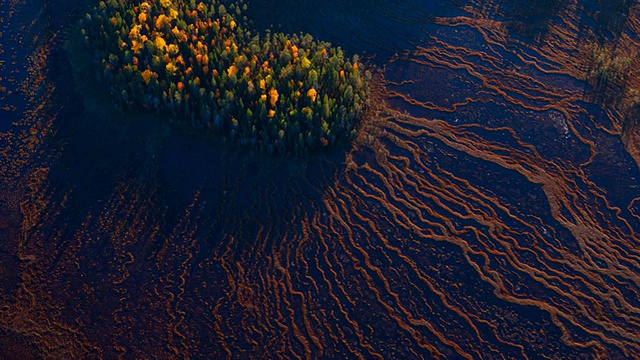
{"x": 200, "y": 63}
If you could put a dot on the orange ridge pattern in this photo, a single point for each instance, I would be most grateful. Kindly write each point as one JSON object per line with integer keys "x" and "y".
{"x": 455, "y": 227}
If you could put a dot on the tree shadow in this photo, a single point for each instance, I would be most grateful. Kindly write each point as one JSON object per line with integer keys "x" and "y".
{"x": 530, "y": 19}
{"x": 374, "y": 29}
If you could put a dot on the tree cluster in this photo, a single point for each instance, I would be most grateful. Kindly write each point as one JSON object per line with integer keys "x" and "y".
{"x": 273, "y": 92}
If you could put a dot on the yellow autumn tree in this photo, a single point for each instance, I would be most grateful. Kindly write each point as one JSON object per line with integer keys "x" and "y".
{"x": 135, "y": 32}
{"x": 171, "y": 69}
{"x": 160, "y": 21}
{"x": 173, "y": 49}
{"x": 273, "y": 97}
{"x": 160, "y": 43}
{"x": 173, "y": 13}
{"x": 146, "y": 76}
{"x": 232, "y": 70}
{"x": 306, "y": 63}
{"x": 136, "y": 46}
{"x": 312, "y": 94}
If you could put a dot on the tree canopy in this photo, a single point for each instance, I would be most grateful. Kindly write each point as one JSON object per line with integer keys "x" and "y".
{"x": 274, "y": 92}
